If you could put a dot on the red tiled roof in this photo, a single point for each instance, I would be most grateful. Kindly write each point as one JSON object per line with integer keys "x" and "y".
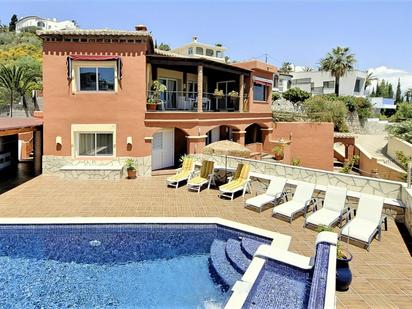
{"x": 19, "y": 123}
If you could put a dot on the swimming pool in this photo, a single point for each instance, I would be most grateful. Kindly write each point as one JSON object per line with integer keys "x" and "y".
{"x": 117, "y": 265}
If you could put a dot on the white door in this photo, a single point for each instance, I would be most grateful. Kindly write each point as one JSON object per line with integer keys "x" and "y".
{"x": 163, "y": 149}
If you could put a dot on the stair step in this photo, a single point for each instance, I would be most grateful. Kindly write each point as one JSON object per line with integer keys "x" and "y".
{"x": 249, "y": 246}
{"x": 236, "y": 256}
{"x": 220, "y": 268}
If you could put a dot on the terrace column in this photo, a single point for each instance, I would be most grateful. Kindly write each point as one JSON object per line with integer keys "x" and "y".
{"x": 239, "y": 137}
{"x": 241, "y": 91}
{"x": 200, "y": 88}
{"x": 37, "y": 151}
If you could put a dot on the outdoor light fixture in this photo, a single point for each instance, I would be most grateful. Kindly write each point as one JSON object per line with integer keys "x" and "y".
{"x": 58, "y": 140}
{"x": 129, "y": 140}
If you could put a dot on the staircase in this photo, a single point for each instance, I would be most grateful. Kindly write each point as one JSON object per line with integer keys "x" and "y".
{"x": 229, "y": 260}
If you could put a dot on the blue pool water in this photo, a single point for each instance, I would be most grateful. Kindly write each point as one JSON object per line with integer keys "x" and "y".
{"x": 101, "y": 266}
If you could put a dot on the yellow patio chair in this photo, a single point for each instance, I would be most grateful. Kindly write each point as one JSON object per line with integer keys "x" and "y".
{"x": 206, "y": 176}
{"x": 182, "y": 174}
{"x": 239, "y": 182}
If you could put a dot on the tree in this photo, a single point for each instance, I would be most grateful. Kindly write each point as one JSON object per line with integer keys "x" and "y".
{"x": 403, "y": 112}
{"x": 296, "y": 95}
{"x": 369, "y": 79}
{"x": 286, "y": 68}
{"x": 390, "y": 91}
{"x": 155, "y": 44}
{"x": 164, "y": 46}
{"x": 398, "y": 98}
{"x": 408, "y": 95}
{"x": 12, "y": 24}
{"x": 307, "y": 69}
{"x": 402, "y": 130}
{"x": 8, "y": 81}
{"x": 338, "y": 62}
{"x": 373, "y": 93}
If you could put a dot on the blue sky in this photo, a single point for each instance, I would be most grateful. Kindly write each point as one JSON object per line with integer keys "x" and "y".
{"x": 302, "y": 32}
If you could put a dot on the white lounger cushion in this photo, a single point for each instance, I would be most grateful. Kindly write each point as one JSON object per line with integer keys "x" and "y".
{"x": 289, "y": 208}
{"x": 260, "y": 200}
{"x": 368, "y": 218}
{"x": 323, "y": 217}
{"x": 335, "y": 198}
{"x": 359, "y": 229}
{"x": 276, "y": 186}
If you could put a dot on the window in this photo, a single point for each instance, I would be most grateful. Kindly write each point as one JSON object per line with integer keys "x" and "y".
{"x": 219, "y": 54}
{"x": 276, "y": 81}
{"x": 96, "y": 79}
{"x": 329, "y": 84}
{"x": 259, "y": 92}
{"x": 190, "y": 51}
{"x": 41, "y": 24}
{"x": 300, "y": 81}
{"x": 209, "y": 52}
{"x": 192, "y": 89}
{"x": 95, "y": 144}
{"x": 199, "y": 50}
{"x": 357, "y": 85}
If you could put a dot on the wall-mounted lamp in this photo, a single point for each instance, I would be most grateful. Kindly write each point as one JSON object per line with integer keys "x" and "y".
{"x": 129, "y": 140}
{"x": 58, "y": 140}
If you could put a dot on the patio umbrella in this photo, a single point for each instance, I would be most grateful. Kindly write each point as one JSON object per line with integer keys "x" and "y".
{"x": 227, "y": 148}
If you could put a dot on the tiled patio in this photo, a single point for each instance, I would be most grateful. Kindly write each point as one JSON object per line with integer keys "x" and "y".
{"x": 382, "y": 277}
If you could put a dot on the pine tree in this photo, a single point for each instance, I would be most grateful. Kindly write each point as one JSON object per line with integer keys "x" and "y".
{"x": 398, "y": 98}
{"x": 390, "y": 91}
{"x": 373, "y": 93}
{"x": 155, "y": 44}
{"x": 12, "y": 24}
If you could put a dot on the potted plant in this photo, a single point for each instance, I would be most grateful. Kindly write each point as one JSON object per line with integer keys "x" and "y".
{"x": 154, "y": 98}
{"x": 218, "y": 93}
{"x": 343, "y": 258}
{"x": 278, "y": 152}
{"x": 130, "y": 165}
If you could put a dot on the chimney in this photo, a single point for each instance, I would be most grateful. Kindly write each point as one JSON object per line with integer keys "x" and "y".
{"x": 141, "y": 27}
{"x": 194, "y": 39}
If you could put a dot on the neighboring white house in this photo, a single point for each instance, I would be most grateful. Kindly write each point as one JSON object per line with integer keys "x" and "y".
{"x": 196, "y": 49}
{"x": 44, "y": 23}
{"x": 320, "y": 82}
{"x": 380, "y": 103}
{"x": 282, "y": 82}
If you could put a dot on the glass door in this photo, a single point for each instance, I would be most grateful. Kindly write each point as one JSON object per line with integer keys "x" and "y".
{"x": 170, "y": 95}
{"x": 226, "y": 86}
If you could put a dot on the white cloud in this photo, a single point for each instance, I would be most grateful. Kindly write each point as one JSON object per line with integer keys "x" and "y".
{"x": 392, "y": 75}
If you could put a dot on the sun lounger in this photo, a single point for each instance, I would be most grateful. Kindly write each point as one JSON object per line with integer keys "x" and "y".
{"x": 333, "y": 208}
{"x": 239, "y": 182}
{"x": 205, "y": 176}
{"x": 183, "y": 174}
{"x": 301, "y": 200}
{"x": 272, "y": 196}
{"x": 367, "y": 223}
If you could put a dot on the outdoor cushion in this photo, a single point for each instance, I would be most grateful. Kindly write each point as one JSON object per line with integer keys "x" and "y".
{"x": 323, "y": 217}
{"x": 288, "y": 208}
{"x": 335, "y": 198}
{"x": 260, "y": 200}
{"x": 359, "y": 229}
{"x": 197, "y": 180}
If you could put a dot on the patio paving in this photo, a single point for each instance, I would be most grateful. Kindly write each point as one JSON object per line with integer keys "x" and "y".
{"x": 382, "y": 278}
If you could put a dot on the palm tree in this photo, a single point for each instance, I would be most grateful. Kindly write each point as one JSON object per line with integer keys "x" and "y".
{"x": 369, "y": 79}
{"x": 338, "y": 62}
{"x": 286, "y": 68}
{"x": 17, "y": 81}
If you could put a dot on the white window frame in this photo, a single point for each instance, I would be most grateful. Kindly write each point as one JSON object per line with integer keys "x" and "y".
{"x": 95, "y": 145}
{"x": 93, "y": 64}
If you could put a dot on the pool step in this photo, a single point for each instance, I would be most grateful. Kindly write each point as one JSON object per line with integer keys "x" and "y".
{"x": 220, "y": 268}
{"x": 236, "y": 256}
{"x": 249, "y": 246}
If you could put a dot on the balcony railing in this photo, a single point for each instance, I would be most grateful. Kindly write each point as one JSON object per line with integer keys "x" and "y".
{"x": 187, "y": 102}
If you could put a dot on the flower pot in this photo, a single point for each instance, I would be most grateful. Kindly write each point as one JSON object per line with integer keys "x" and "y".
{"x": 343, "y": 272}
{"x": 131, "y": 173}
{"x": 151, "y": 107}
{"x": 279, "y": 157}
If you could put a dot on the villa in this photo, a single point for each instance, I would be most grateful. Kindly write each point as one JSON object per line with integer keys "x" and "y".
{"x": 101, "y": 106}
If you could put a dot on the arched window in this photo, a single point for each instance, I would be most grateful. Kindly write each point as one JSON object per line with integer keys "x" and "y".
{"x": 199, "y": 50}
{"x": 41, "y": 24}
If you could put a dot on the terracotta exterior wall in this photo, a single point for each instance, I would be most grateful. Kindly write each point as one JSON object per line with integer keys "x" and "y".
{"x": 311, "y": 143}
{"x": 126, "y": 108}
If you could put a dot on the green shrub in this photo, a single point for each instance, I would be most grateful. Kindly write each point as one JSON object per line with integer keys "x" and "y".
{"x": 402, "y": 130}
{"x": 403, "y": 112}
{"x": 296, "y": 95}
{"x": 275, "y": 96}
{"x": 402, "y": 159}
{"x": 325, "y": 109}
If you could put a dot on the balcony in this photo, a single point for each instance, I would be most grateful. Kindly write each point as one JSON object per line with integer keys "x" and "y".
{"x": 179, "y": 101}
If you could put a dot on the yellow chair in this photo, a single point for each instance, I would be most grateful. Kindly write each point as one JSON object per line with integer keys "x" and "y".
{"x": 182, "y": 174}
{"x": 239, "y": 182}
{"x": 206, "y": 176}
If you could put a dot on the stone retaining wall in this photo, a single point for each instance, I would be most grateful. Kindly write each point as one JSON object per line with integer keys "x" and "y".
{"x": 53, "y": 164}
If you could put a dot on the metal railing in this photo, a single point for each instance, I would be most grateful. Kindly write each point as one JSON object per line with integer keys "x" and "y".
{"x": 187, "y": 101}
